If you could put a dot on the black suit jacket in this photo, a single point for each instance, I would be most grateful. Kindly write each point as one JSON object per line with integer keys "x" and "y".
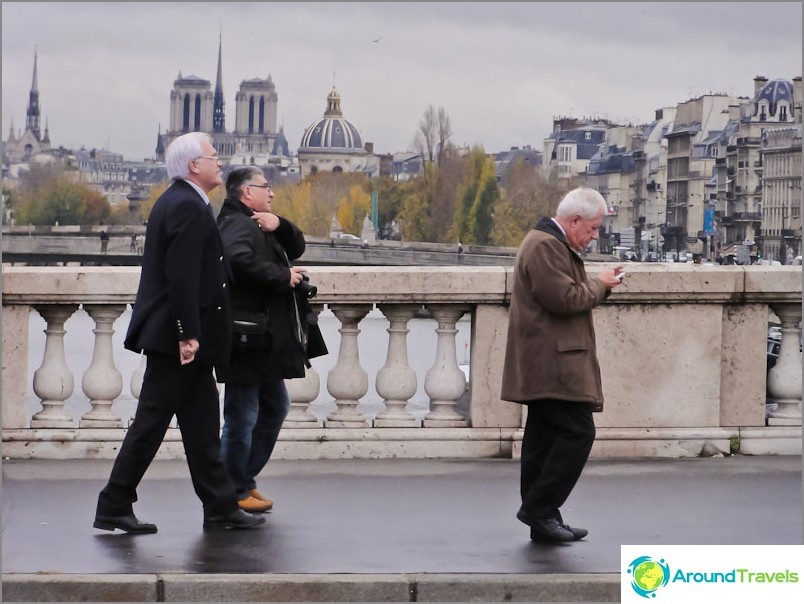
{"x": 260, "y": 265}
{"x": 183, "y": 290}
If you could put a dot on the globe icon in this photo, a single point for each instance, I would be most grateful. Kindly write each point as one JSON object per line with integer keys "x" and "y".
{"x": 649, "y": 576}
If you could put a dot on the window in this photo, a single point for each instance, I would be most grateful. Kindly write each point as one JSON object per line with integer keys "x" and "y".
{"x": 587, "y": 136}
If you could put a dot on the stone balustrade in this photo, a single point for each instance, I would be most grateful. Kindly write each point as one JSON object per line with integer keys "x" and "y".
{"x": 682, "y": 350}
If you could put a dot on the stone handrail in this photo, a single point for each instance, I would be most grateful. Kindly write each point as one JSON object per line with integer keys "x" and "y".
{"x": 682, "y": 350}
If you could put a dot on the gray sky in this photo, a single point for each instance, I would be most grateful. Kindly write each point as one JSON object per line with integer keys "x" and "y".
{"x": 501, "y": 70}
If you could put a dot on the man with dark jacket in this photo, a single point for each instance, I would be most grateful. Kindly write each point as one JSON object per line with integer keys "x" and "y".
{"x": 181, "y": 320}
{"x": 268, "y": 342}
{"x": 551, "y": 360}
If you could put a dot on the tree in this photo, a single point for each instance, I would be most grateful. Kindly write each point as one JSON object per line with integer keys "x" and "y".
{"x": 353, "y": 208}
{"x": 434, "y": 134}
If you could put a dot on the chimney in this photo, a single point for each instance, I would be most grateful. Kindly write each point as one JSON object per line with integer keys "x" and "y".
{"x": 759, "y": 82}
{"x": 797, "y": 99}
{"x": 659, "y": 114}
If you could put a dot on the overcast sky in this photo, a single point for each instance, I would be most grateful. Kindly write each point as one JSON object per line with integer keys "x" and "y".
{"x": 500, "y": 70}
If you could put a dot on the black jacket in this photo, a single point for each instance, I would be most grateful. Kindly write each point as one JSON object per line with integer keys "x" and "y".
{"x": 260, "y": 265}
{"x": 183, "y": 284}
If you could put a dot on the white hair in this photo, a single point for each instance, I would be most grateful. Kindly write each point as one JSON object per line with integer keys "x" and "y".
{"x": 583, "y": 201}
{"x": 182, "y": 151}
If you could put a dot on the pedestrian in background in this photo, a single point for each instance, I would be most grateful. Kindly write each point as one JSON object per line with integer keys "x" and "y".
{"x": 270, "y": 331}
{"x": 181, "y": 321}
{"x": 551, "y": 360}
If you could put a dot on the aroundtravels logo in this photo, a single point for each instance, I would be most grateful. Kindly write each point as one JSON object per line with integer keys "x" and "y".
{"x": 648, "y": 575}
{"x": 678, "y": 574}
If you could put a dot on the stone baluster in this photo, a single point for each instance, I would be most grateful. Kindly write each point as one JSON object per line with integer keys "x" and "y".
{"x": 784, "y": 379}
{"x": 444, "y": 383}
{"x": 53, "y": 381}
{"x": 348, "y": 381}
{"x": 102, "y": 382}
{"x": 396, "y": 381}
{"x": 302, "y": 392}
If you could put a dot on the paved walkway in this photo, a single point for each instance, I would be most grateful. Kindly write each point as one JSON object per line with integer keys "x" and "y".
{"x": 383, "y": 522}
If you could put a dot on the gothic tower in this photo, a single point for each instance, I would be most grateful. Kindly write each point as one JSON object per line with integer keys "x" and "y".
{"x": 32, "y": 122}
{"x": 218, "y": 117}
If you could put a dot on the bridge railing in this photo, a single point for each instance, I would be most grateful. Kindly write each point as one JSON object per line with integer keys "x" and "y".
{"x": 682, "y": 351}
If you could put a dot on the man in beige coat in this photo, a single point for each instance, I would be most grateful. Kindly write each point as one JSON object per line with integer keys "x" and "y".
{"x": 551, "y": 360}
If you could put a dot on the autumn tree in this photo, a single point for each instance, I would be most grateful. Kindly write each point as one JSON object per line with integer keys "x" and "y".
{"x": 48, "y": 195}
{"x": 476, "y": 195}
{"x": 527, "y": 194}
{"x": 353, "y": 209}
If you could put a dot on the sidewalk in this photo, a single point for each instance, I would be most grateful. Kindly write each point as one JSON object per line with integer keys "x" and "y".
{"x": 380, "y": 530}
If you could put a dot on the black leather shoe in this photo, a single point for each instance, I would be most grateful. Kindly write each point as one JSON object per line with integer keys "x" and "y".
{"x": 577, "y": 533}
{"x": 548, "y": 529}
{"x": 236, "y": 520}
{"x": 128, "y": 523}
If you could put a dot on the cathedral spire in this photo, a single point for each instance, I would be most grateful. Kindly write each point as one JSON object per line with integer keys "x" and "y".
{"x": 218, "y": 117}
{"x": 32, "y": 122}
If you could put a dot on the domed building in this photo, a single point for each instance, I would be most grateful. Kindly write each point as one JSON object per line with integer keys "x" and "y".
{"x": 775, "y": 102}
{"x": 334, "y": 144}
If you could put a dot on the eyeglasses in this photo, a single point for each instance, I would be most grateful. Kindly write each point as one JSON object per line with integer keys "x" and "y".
{"x": 214, "y": 157}
{"x": 265, "y": 186}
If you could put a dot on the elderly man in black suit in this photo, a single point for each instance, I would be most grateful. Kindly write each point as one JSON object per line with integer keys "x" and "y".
{"x": 181, "y": 320}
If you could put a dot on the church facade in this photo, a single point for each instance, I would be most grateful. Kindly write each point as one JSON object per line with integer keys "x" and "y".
{"x": 24, "y": 146}
{"x": 196, "y": 107}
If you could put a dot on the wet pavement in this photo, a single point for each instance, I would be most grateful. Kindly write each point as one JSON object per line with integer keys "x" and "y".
{"x": 396, "y": 516}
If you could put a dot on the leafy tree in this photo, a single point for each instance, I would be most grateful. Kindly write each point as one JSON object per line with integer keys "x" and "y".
{"x": 97, "y": 208}
{"x": 414, "y": 219}
{"x": 480, "y": 219}
{"x": 294, "y": 202}
{"x": 353, "y": 208}
{"x": 444, "y": 187}
{"x": 467, "y": 193}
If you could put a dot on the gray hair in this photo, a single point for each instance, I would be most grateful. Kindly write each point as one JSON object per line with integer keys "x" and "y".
{"x": 583, "y": 201}
{"x": 238, "y": 177}
{"x": 182, "y": 151}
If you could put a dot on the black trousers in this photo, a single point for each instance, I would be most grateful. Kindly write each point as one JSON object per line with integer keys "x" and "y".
{"x": 188, "y": 392}
{"x": 557, "y": 441}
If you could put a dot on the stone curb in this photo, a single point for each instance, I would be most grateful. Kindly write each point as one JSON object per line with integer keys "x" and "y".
{"x": 167, "y": 587}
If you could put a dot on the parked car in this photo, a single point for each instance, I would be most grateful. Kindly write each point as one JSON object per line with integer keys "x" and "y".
{"x": 349, "y": 236}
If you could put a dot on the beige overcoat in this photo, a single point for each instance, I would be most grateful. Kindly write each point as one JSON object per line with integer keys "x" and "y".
{"x": 551, "y": 352}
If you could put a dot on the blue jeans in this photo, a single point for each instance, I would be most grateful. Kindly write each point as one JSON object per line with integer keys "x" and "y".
{"x": 252, "y": 416}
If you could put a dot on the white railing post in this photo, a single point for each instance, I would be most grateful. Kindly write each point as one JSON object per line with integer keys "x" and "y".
{"x": 302, "y": 392}
{"x": 102, "y": 382}
{"x": 347, "y": 382}
{"x": 396, "y": 381}
{"x": 53, "y": 381}
{"x": 784, "y": 378}
{"x": 444, "y": 383}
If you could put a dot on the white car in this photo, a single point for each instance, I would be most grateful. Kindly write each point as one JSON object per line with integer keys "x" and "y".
{"x": 349, "y": 236}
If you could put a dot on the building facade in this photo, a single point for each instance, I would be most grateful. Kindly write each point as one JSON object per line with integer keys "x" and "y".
{"x": 196, "y": 107}
{"x": 334, "y": 144}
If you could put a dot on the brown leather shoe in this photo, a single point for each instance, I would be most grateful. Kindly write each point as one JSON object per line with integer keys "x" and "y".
{"x": 256, "y": 495}
{"x": 252, "y": 504}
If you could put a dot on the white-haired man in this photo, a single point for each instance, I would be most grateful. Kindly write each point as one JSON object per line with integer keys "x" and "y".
{"x": 551, "y": 360}
{"x": 181, "y": 321}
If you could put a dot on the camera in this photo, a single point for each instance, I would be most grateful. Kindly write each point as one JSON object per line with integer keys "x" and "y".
{"x": 306, "y": 288}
